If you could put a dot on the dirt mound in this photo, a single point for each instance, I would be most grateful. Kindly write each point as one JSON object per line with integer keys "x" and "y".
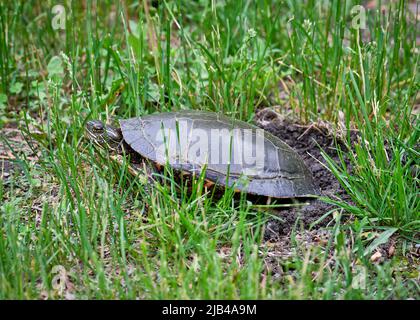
{"x": 307, "y": 141}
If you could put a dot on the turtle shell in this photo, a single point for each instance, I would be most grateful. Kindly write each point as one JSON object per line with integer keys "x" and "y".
{"x": 233, "y": 152}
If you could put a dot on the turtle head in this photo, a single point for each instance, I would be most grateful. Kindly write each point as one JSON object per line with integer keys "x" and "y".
{"x": 104, "y": 135}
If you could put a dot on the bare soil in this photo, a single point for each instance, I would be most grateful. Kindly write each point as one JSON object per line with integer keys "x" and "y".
{"x": 307, "y": 141}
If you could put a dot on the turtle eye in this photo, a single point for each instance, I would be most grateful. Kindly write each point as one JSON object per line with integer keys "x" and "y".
{"x": 95, "y": 126}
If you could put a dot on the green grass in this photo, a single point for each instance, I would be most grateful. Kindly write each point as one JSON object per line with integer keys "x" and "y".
{"x": 74, "y": 214}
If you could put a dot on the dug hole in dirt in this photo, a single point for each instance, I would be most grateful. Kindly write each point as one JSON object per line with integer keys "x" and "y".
{"x": 307, "y": 141}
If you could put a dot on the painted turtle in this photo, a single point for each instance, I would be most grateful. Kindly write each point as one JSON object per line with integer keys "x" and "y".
{"x": 233, "y": 152}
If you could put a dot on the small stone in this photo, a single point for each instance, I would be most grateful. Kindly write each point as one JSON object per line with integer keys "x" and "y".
{"x": 376, "y": 257}
{"x": 391, "y": 251}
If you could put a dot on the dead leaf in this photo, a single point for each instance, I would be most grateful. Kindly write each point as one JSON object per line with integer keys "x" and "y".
{"x": 69, "y": 296}
{"x": 43, "y": 295}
